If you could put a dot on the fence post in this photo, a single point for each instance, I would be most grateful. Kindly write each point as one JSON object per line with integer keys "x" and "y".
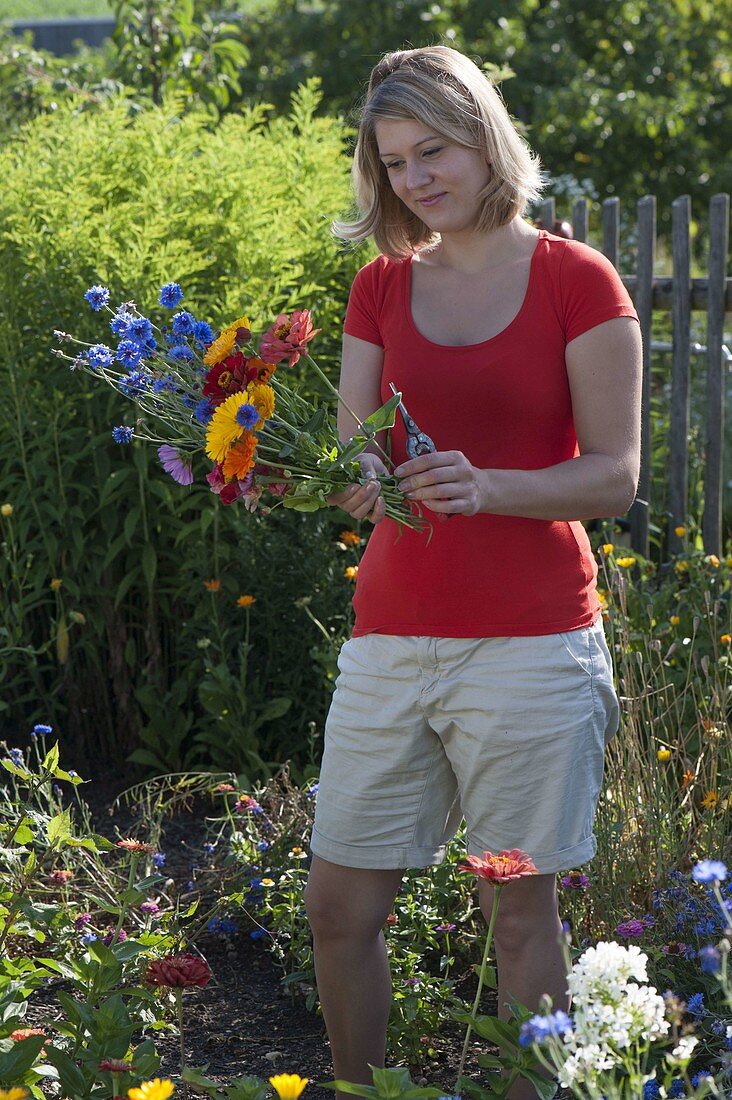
{"x": 640, "y": 509}
{"x": 713, "y": 469}
{"x": 547, "y": 214}
{"x": 580, "y": 220}
{"x": 680, "y": 374}
{"x": 611, "y": 229}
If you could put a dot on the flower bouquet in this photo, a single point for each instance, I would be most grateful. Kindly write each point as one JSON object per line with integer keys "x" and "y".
{"x": 198, "y": 393}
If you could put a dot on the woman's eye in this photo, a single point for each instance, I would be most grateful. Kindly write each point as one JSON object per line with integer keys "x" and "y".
{"x": 429, "y": 152}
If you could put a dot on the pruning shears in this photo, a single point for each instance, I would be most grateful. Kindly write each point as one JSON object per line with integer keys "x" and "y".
{"x": 418, "y": 442}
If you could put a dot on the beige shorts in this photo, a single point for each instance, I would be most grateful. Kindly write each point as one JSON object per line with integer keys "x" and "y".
{"x": 509, "y": 733}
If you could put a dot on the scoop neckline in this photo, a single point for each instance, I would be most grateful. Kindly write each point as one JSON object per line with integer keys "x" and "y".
{"x": 407, "y": 288}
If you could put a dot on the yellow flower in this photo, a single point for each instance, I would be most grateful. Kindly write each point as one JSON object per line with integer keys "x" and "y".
{"x": 213, "y": 585}
{"x": 246, "y": 601}
{"x": 682, "y": 567}
{"x": 267, "y": 882}
{"x": 663, "y": 755}
{"x": 710, "y": 800}
{"x": 602, "y": 597}
{"x": 6, "y": 510}
{"x": 713, "y": 560}
{"x": 608, "y": 548}
{"x": 152, "y": 1090}
{"x": 625, "y": 563}
{"x": 263, "y": 398}
{"x": 674, "y": 620}
{"x": 56, "y": 583}
{"x": 687, "y": 778}
{"x": 288, "y": 1086}
{"x": 350, "y": 538}
{"x": 680, "y": 531}
{"x": 725, "y": 639}
{"x": 298, "y": 853}
{"x": 350, "y": 572}
{"x": 223, "y": 428}
{"x": 13, "y": 1094}
{"x": 728, "y": 561}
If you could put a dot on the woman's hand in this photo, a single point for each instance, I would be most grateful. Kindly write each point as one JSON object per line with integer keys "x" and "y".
{"x": 364, "y": 501}
{"x": 444, "y": 481}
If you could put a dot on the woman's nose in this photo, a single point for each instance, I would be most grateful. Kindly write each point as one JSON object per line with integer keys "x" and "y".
{"x": 418, "y": 175}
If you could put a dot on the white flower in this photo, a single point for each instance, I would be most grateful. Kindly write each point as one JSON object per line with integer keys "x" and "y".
{"x": 603, "y": 971}
{"x": 585, "y": 1065}
{"x": 682, "y": 1053}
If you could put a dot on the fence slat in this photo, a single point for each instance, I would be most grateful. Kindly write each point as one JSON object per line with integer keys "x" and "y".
{"x": 680, "y": 369}
{"x": 581, "y": 220}
{"x": 663, "y": 289}
{"x": 547, "y": 214}
{"x": 640, "y": 509}
{"x": 713, "y": 469}
{"x": 611, "y": 229}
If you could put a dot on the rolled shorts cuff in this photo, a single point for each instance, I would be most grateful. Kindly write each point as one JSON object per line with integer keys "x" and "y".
{"x": 373, "y": 857}
{"x": 549, "y": 863}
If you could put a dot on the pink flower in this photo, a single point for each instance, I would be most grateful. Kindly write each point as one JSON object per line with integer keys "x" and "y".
{"x": 503, "y": 867}
{"x": 114, "y": 937}
{"x": 630, "y": 929}
{"x": 288, "y": 337}
{"x": 60, "y": 878}
{"x": 81, "y": 921}
{"x": 179, "y": 971}
{"x": 180, "y": 469}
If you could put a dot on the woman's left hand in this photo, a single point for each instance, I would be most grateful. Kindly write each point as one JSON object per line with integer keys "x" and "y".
{"x": 444, "y": 481}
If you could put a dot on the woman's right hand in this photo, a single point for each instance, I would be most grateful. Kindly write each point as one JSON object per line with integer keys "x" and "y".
{"x": 364, "y": 501}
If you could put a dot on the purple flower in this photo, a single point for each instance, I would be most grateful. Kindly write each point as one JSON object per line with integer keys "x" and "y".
{"x": 630, "y": 929}
{"x": 97, "y": 297}
{"x": 170, "y": 295}
{"x": 150, "y": 908}
{"x": 179, "y": 468}
{"x": 114, "y": 937}
{"x": 445, "y": 927}
{"x": 158, "y": 860}
{"x": 575, "y": 880}
{"x": 709, "y": 870}
{"x": 82, "y": 920}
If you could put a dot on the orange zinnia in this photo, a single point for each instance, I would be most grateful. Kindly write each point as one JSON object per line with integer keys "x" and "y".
{"x": 350, "y": 538}
{"x": 503, "y": 867}
{"x": 212, "y": 585}
{"x": 246, "y": 601}
{"x": 240, "y": 457}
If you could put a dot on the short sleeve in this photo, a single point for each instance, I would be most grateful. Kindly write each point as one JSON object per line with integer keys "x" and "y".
{"x": 591, "y": 290}
{"x": 362, "y": 320}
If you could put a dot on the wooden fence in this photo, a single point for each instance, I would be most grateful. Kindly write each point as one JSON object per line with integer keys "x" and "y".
{"x": 679, "y": 294}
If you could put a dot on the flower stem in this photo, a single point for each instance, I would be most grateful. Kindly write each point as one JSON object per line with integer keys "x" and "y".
{"x": 349, "y": 410}
{"x": 488, "y": 940}
{"x": 179, "y": 1009}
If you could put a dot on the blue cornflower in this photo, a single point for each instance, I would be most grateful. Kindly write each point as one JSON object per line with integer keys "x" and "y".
{"x": 190, "y": 885}
{"x": 203, "y": 411}
{"x": 120, "y": 323}
{"x": 709, "y": 870}
{"x": 135, "y": 383}
{"x": 141, "y": 331}
{"x": 247, "y": 416}
{"x": 257, "y": 934}
{"x": 189, "y": 400}
{"x": 651, "y": 1090}
{"x": 129, "y": 353}
{"x": 695, "y": 1005}
{"x": 183, "y": 323}
{"x": 209, "y": 848}
{"x": 158, "y": 860}
{"x": 699, "y": 1077}
{"x": 97, "y": 297}
{"x": 99, "y": 355}
{"x": 181, "y": 352}
{"x": 40, "y": 730}
{"x": 203, "y": 333}
{"x": 16, "y": 755}
{"x": 718, "y": 1027}
{"x": 88, "y": 937}
{"x": 170, "y": 295}
{"x": 676, "y": 1089}
{"x": 710, "y": 959}
{"x": 540, "y": 1028}
{"x": 255, "y": 884}
{"x": 222, "y": 926}
{"x": 122, "y": 434}
{"x": 159, "y": 385}
{"x": 313, "y": 790}
{"x": 57, "y": 790}
{"x": 262, "y": 845}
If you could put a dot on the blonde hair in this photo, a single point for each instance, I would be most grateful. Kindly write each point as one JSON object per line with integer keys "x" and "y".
{"x": 445, "y": 90}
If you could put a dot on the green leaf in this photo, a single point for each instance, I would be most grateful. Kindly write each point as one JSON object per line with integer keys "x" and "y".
{"x": 497, "y": 1031}
{"x": 149, "y": 563}
{"x": 545, "y": 1088}
{"x": 16, "y": 1062}
{"x": 50, "y": 760}
{"x": 72, "y": 1080}
{"x": 59, "y": 828}
{"x": 383, "y": 418}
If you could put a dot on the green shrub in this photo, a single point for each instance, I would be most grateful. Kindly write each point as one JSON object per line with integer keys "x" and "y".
{"x": 239, "y": 215}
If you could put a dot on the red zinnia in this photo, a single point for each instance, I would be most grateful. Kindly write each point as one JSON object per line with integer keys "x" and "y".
{"x": 503, "y": 867}
{"x": 60, "y": 878}
{"x": 131, "y": 845}
{"x": 226, "y": 378}
{"x": 179, "y": 971}
{"x": 288, "y": 337}
{"x": 115, "y": 1065}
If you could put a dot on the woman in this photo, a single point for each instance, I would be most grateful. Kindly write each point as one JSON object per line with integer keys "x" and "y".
{"x": 477, "y": 683}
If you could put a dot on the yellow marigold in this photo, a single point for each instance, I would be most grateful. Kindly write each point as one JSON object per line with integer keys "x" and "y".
{"x": 6, "y": 510}
{"x": 625, "y": 563}
{"x": 246, "y": 601}
{"x": 725, "y": 639}
{"x": 152, "y": 1090}
{"x": 213, "y": 585}
{"x": 288, "y": 1086}
{"x": 223, "y": 428}
{"x": 728, "y": 562}
{"x": 350, "y": 538}
{"x": 608, "y": 548}
{"x": 674, "y": 620}
{"x": 682, "y": 567}
{"x": 680, "y": 531}
{"x": 602, "y": 597}
{"x": 240, "y": 457}
{"x": 267, "y": 882}
{"x": 350, "y": 572}
{"x": 710, "y": 800}
{"x": 663, "y": 755}
{"x": 713, "y": 560}
{"x": 262, "y": 397}
{"x": 13, "y": 1094}
{"x": 56, "y": 583}
{"x": 222, "y": 346}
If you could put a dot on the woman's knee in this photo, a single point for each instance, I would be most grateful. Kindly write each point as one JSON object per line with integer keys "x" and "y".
{"x": 348, "y": 902}
{"x": 527, "y": 911}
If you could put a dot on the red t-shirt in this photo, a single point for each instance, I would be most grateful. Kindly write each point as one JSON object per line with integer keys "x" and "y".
{"x": 505, "y": 403}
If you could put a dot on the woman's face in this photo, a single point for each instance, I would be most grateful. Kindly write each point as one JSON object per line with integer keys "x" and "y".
{"x": 436, "y": 179}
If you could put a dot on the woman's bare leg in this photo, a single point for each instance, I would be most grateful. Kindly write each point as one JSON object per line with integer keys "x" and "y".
{"x": 347, "y": 908}
{"x": 528, "y": 949}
